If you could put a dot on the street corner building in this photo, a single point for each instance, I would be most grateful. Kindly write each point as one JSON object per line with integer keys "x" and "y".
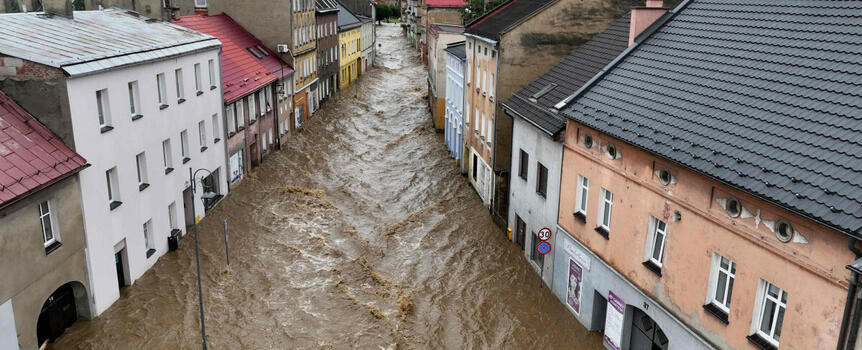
{"x": 250, "y": 78}
{"x": 43, "y": 250}
{"x": 710, "y": 188}
{"x": 349, "y": 37}
{"x": 507, "y": 48}
{"x": 537, "y": 148}
{"x": 140, "y": 100}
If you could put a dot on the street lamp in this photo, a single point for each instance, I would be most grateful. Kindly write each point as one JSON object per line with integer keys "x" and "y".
{"x": 206, "y": 195}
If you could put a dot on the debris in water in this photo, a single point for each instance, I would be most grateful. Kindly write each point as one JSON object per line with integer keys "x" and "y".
{"x": 405, "y": 305}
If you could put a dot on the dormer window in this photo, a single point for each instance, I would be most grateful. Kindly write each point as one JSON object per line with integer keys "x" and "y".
{"x": 254, "y": 52}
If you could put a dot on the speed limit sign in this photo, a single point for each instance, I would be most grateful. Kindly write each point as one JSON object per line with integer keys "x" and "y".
{"x": 544, "y": 234}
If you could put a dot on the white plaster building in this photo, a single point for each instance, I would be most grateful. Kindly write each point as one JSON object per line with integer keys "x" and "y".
{"x": 141, "y": 100}
{"x": 454, "y": 123}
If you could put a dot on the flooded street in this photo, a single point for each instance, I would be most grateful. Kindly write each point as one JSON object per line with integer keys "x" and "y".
{"x": 359, "y": 234}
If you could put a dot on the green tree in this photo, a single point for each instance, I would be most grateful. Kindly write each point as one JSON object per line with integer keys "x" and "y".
{"x": 476, "y": 8}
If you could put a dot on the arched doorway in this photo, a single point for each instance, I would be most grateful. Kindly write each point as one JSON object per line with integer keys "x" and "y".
{"x": 61, "y": 309}
{"x": 646, "y": 333}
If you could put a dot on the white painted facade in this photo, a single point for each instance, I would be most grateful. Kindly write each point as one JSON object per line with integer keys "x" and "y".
{"x": 537, "y": 212}
{"x": 453, "y": 131}
{"x": 8, "y": 332}
{"x": 368, "y": 49}
{"x": 109, "y": 230}
{"x": 479, "y": 175}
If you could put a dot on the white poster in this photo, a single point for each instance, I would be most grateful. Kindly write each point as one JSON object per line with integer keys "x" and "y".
{"x": 235, "y": 166}
{"x": 614, "y": 321}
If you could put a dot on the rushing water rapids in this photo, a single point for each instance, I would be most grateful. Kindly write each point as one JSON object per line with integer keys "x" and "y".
{"x": 360, "y": 234}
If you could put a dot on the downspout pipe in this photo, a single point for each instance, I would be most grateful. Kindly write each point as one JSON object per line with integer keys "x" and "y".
{"x": 843, "y": 338}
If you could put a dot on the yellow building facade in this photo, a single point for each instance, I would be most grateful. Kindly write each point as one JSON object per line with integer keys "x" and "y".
{"x": 304, "y": 52}
{"x": 350, "y": 51}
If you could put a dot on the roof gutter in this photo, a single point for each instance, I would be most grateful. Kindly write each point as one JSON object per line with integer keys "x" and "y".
{"x": 481, "y": 38}
{"x": 638, "y": 40}
{"x": 512, "y": 112}
{"x": 142, "y": 62}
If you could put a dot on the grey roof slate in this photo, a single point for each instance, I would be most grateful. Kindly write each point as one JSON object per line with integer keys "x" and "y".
{"x": 346, "y": 19}
{"x": 325, "y": 5}
{"x": 457, "y": 49}
{"x": 569, "y": 75}
{"x": 501, "y": 18}
{"x": 763, "y": 95}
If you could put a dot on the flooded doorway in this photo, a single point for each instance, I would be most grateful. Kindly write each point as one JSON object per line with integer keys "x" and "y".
{"x": 188, "y": 202}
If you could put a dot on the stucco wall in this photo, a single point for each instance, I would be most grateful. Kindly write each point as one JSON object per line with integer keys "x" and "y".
{"x": 536, "y": 211}
{"x": 812, "y": 272}
{"x": 444, "y": 16}
{"x": 124, "y": 225}
{"x": 30, "y": 275}
{"x": 269, "y": 21}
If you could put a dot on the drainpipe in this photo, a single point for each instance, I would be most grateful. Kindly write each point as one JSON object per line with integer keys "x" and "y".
{"x": 848, "y": 305}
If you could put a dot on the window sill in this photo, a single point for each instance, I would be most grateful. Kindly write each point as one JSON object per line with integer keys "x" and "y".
{"x": 115, "y": 204}
{"x": 216, "y": 140}
{"x": 186, "y": 160}
{"x": 143, "y": 186}
{"x": 106, "y": 128}
{"x": 604, "y": 232}
{"x": 176, "y": 232}
{"x": 251, "y": 122}
{"x": 150, "y": 252}
{"x": 580, "y": 217}
{"x": 52, "y": 247}
{"x": 523, "y": 177}
{"x": 181, "y": 100}
{"x": 204, "y": 148}
{"x": 163, "y": 106}
{"x": 212, "y": 87}
{"x": 137, "y": 116}
{"x": 212, "y": 203}
{"x": 650, "y": 265}
{"x": 199, "y": 93}
{"x": 543, "y": 195}
{"x": 717, "y": 312}
{"x": 760, "y": 342}
{"x": 241, "y": 128}
{"x": 230, "y": 134}
{"x": 168, "y": 170}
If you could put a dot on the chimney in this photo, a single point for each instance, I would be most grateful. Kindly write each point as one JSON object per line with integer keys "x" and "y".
{"x": 58, "y": 8}
{"x": 643, "y": 17}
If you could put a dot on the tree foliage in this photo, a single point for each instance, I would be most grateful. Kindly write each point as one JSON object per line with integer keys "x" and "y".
{"x": 476, "y": 8}
{"x": 385, "y": 11}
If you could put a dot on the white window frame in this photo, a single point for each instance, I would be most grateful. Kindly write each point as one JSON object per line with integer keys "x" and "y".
{"x": 657, "y": 230}
{"x": 215, "y": 127}
{"x": 211, "y": 64}
{"x": 198, "y": 81}
{"x": 162, "y": 87}
{"x": 48, "y": 212}
{"x": 606, "y": 204}
{"x": 172, "y": 216}
{"x": 760, "y": 307}
{"x": 240, "y": 113}
{"x": 252, "y": 110}
{"x": 178, "y": 75}
{"x": 149, "y": 241}
{"x": 141, "y": 164}
{"x": 730, "y": 276}
{"x": 200, "y": 3}
{"x": 184, "y": 144}
{"x": 231, "y": 121}
{"x": 103, "y": 108}
{"x": 582, "y": 196}
{"x": 202, "y": 134}
{"x": 112, "y": 182}
{"x": 134, "y": 98}
{"x": 261, "y": 100}
{"x": 167, "y": 157}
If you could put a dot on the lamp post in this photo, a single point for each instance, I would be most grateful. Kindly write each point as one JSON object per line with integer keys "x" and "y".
{"x": 206, "y": 195}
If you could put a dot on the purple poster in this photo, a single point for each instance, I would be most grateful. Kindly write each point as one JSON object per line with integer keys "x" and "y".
{"x": 573, "y": 296}
{"x": 614, "y": 321}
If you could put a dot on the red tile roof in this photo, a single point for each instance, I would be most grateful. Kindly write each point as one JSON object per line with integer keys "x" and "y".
{"x": 242, "y": 72}
{"x": 445, "y": 3}
{"x": 31, "y": 156}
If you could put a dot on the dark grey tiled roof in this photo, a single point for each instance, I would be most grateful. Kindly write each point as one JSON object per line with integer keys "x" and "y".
{"x": 457, "y": 49}
{"x": 569, "y": 75}
{"x": 346, "y": 19}
{"x": 763, "y": 95}
{"x": 493, "y": 23}
{"x": 325, "y": 5}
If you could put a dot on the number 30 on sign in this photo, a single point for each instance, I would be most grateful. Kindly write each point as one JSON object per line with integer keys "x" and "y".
{"x": 544, "y": 234}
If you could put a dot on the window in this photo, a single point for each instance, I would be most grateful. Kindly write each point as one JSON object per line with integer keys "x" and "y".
{"x": 113, "y": 188}
{"x": 202, "y": 135}
{"x": 134, "y": 100}
{"x": 211, "y": 64}
{"x": 162, "y": 86}
{"x": 606, "y": 201}
{"x": 769, "y": 313}
{"x": 477, "y": 121}
{"x": 491, "y": 86}
{"x": 141, "y": 162}
{"x": 166, "y": 154}
{"x": 261, "y": 97}
{"x": 215, "y": 128}
{"x": 102, "y": 108}
{"x": 148, "y": 238}
{"x": 520, "y": 231}
{"x": 198, "y": 81}
{"x": 252, "y": 113}
{"x": 184, "y": 145}
{"x": 542, "y": 180}
{"x": 200, "y": 3}
{"x": 50, "y": 235}
{"x": 524, "y": 165}
{"x": 733, "y": 207}
{"x": 612, "y": 151}
{"x": 784, "y": 230}
{"x": 588, "y": 141}
{"x": 665, "y": 177}
{"x": 240, "y": 115}
{"x": 172, "y": 216}
{"x": 179, "y": 80}
{"x": 231, "y": 120}
{"x": 537, "y": 258}
{"x": 721, "y": 283}
{"x": 581, "y": 197}
{"x": 267, "y": 94}
{"x": 656, "y": 238}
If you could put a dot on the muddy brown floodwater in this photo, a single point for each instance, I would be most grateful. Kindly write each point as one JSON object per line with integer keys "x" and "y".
{"x": 359, "y": 234}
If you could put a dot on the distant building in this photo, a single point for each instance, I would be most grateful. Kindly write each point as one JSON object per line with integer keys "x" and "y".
{"x": 456, "y": 59}
{"x": 349, "y": 37}
{"x": 445, "y": 12}
{"x": 439, "y": 36}
{"x": 369, "y": 43}
{"x": 142, "y": 109}
{"x": 305, "y": 96}
{"x": 43, "y": 255}
{"x": 327, "y": 47}
{"x": 537, "y": 151}
{"x": 710, "y": 193}
{"x": 507, "y": 48}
